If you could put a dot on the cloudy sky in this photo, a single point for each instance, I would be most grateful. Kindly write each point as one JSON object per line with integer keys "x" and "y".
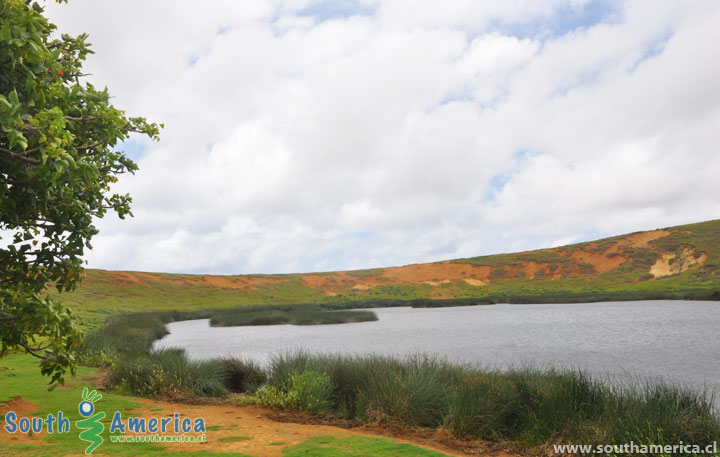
{"x": 309, "y": 135}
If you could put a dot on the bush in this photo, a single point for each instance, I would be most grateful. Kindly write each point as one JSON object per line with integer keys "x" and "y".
{"x": 307, "y": 391}
{"x": 272, "y": 397}
{"x": 310, "y": 391}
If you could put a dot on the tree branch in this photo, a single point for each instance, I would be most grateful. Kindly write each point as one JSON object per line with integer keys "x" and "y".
{"x": 89, "y": 146}
{"x": 31, "y": 351}
{"x": 22, "y": 157}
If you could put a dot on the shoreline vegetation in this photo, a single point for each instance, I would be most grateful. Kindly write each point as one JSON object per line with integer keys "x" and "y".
{"x": 532, "y": 407}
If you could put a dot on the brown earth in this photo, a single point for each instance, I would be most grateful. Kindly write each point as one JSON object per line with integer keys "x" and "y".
{"x": 240, "y": 282}
{"x": 22, "y": 408}
{"x": 675, "y": 263}
{"x": 269, "y": 431}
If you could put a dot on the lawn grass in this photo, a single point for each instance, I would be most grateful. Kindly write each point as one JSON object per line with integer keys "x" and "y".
{"x": 356, "y": 446}
{"x": 233, "y": 439}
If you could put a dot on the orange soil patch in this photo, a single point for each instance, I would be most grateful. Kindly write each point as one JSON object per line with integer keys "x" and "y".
{"x": 121, "y": 278}
{"x": 440, "y": 271}
{"x": 671, "y": 264}
{"x": 642, "y": 239}
{"x": 19, "y": 405}
{"x": 437, "y": 283}
{"x": 532, "y": 268}
{"x": 22, "y": 408}
{"x": 341, "y": 281}
{"x": 239, "y": 282}
{"x": 600, "y": 261}
{"x": 255, "y": 424}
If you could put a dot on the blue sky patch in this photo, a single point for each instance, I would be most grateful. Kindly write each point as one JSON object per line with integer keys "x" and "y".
{"x": 134, "y": 149}
{"x": 653, "y": 48}
{"x": 327, "y": 10}
{"x": 498, "y": 181}
{"x": 564, "y": 20}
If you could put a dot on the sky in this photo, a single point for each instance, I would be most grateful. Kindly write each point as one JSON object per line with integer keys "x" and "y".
{"x": 327, "y": 135}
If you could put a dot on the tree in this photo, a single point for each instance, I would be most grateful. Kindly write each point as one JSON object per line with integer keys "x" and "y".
{"x": 58, "y": 136}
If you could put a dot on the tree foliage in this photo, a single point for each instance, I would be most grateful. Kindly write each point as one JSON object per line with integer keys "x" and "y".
{"x": 58, "y": 136}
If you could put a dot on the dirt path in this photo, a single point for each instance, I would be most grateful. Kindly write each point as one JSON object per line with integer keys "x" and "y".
{"x": 263, "y": 432}
{"x": 251, "y": 429}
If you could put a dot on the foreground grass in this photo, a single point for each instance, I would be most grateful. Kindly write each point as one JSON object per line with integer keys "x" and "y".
{"x": 356, "y": 446}
{"x": 528, "y": 406}
{"x": 19, "y": 376}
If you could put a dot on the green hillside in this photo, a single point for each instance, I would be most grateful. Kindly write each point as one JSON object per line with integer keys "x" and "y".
{"x": 675, "y": 262}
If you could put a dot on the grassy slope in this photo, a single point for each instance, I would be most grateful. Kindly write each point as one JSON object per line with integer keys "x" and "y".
{"x": 621, "y": 264}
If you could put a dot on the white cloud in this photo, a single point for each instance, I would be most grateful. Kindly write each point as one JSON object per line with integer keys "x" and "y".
{"x": 405, "y": 133}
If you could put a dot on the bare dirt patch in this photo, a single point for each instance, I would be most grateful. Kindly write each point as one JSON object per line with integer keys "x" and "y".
{"x": 22, "y": 408}
{"x": 601, "y": 262}
{"x": 641, "y": 240}
{"x": 532, "y": 268}
{"x": 475, "y": 282}
{"x": 239, "y": 282}
{"x": 434, "y": 274}
{"x": 19, "y": 405}
{"x": 438, "y": 439}
{"x": 670, "y": 264}
{"x": 258, "y": 430}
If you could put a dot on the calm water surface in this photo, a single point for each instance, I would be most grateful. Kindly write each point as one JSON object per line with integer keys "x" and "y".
{"x": 677, "y": 340}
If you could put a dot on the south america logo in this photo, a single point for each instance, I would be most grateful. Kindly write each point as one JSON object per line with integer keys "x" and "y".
{"x": 91, "y": 425}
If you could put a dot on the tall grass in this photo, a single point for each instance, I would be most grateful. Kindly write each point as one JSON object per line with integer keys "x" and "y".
{"x": 526, "y": 405}
{"x": 168, "y": 372}
{"x": 242, "y": 375}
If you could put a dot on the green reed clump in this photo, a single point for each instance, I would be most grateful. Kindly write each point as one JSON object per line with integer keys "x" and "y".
{"x": 242, "y": 375}
{"x": 122, "y": 334}
{"x": 414, "y": 392}
{"x": 286, "y": 314}
{"x": 168, "y": 372}
{"x": 349, "y": 374}
{"x": 660, "y": 412}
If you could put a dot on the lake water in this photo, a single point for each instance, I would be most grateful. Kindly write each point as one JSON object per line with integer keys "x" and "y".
{"x": 676, "y": 340}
